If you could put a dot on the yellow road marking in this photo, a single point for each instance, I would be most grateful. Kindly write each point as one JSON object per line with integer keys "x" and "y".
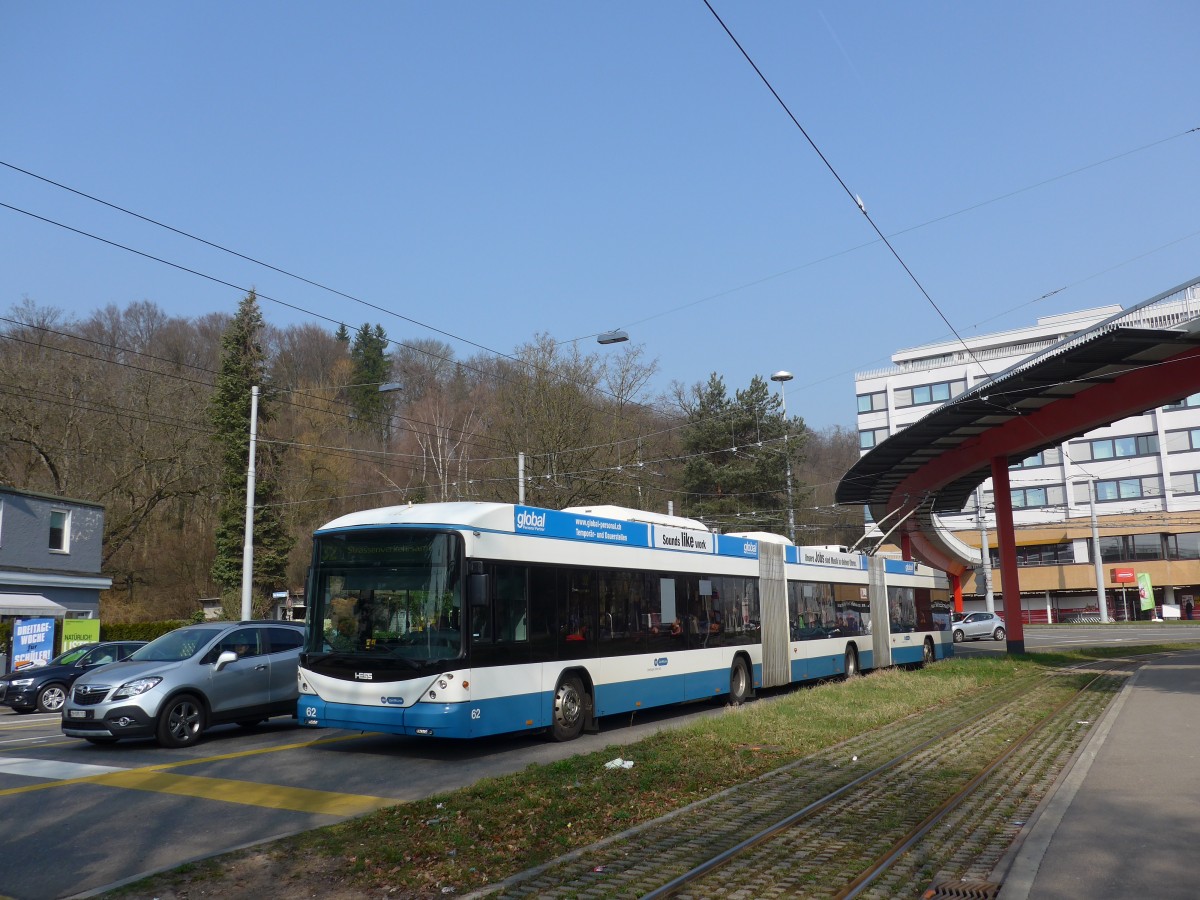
{"x": 247, "y": 793}
{"x": 157, "y": 779}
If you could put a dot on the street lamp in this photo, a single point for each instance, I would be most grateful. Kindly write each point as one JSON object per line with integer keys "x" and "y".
{"x": 248, "y": 538}
{"x": 612, "y": 337}
{"x": 782, "y": 376}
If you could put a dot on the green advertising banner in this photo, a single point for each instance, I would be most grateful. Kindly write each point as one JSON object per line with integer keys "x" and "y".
{"x": 79, "y": 631}
{"x": 1145, "y": 590}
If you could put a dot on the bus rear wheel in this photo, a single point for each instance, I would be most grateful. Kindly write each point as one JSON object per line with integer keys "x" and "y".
{"x": 851, "y": 662}
{"x": 739, "y": 682}
{"x": 927, "y": 655}
{"x": 568, "y": 710}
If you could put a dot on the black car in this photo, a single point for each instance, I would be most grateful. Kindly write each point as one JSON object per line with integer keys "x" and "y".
{"x": 44, "y": 688}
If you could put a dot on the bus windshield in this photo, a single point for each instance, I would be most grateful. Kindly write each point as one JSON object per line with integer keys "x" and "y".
{"x": 387, "y": 593}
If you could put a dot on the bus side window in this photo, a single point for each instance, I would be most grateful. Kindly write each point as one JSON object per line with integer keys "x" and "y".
{"x": 511, "y": 611}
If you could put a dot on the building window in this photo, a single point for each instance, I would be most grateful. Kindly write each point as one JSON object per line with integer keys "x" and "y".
{"x": 924, "y": 394}
{"x": 1183, "y": 440}
{"x": 1115, "y": 448}
{"x": 60, "y": 530}
{"x": 1109, "y": 490}
{"x": 1131, "y": 547}
{"x": 1185, "y": 403}
{"x": 1040, "y": 555}
{"x": 871, "y": 437}
{"x": 1184, "y": 483}
{"x": 872, "y": 402}
{"x": 1033, "y": 497}
{"x": 1183, "y": 546}
{"x": 1049, "y": 457}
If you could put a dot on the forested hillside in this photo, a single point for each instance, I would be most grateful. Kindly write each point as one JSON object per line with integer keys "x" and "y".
{"x": 150, "y": 415}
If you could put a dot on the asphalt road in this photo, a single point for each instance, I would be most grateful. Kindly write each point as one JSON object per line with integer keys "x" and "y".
{"x": 76, "y": 817}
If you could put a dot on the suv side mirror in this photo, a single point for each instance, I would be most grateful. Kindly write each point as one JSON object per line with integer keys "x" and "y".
{"x": 225, "y": 658}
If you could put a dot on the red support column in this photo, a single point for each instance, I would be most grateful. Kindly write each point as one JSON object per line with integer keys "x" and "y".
{"x": 1006, "y": 542}
{"x": 906, "y": 546}
{"x": 956, "y": 587}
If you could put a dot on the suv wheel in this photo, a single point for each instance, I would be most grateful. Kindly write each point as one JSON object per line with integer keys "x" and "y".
{"x": 51, "y": 698}
{"x": 180, "y": 721}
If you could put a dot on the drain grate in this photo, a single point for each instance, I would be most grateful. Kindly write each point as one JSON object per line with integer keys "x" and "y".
{"x": 955, "y": 889}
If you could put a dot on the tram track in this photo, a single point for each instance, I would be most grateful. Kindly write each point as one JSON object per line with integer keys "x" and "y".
{"x": 931, "y": 800}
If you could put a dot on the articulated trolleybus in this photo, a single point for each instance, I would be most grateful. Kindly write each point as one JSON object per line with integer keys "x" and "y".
{"x": 469, "y": 619}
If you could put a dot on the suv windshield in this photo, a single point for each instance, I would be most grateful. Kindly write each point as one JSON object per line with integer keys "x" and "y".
{"x": 182, "y": 643}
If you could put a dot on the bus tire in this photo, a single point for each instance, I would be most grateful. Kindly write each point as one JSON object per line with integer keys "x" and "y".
{"x": 739, "y": 682}
{"x": 927, "y": 654}
{"x": 569, "y": 709}
{"x": 851, "y": 663}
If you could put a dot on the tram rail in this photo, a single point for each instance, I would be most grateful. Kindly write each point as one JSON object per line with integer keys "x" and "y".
{"x": 926, "y": 804}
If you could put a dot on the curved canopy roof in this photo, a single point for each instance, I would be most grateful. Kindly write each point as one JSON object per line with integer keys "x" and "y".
{"x": 1140, "y": 358}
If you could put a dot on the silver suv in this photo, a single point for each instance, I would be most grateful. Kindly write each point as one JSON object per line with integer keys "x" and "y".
{"x": 176, "y": 686}
{"x": 978, "y": 625}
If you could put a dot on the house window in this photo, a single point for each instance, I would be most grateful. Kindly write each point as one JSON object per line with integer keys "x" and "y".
{"x": 60, "y": 530}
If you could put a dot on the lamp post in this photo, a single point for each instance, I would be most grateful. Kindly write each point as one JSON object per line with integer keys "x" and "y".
{"x": 781, "y": 377}
{"x": 248, "y": 538}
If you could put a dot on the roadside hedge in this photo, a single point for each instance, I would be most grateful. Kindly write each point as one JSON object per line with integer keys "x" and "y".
{"x": 138, "y": 631}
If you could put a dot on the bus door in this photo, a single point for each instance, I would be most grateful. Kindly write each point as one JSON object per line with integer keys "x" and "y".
{"x": 772, "y": 587}
{"x": 881, "y": 631}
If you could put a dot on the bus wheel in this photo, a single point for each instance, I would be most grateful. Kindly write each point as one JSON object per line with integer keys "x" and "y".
{"x": 851, "y": 662}
{"x": 739, "y": 682}
{"x": 568, "y": 710}
{"x": 927, "y": 656}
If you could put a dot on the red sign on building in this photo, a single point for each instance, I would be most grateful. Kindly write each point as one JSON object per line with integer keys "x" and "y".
{"x": 1123, "y": 576}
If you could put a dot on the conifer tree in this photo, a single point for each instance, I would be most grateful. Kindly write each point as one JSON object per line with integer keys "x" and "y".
{"x": 736, "y": 468}
{"x": 243, "y": 365}
{"x": 369, "y": 369}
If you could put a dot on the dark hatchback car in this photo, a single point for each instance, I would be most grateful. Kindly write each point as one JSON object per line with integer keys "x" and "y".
{"x": 45, "y": 688}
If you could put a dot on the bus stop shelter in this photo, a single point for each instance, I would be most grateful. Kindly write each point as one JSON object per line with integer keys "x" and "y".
{"x": 1141, "y": 358}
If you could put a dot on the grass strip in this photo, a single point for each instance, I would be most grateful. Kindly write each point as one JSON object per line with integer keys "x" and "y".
{"x": 452, "y": 843}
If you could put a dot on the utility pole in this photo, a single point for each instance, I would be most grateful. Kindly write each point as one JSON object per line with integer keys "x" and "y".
{"x": 248, "y": 540}
{"x": 1101, "y": 597}
{"x": 985, "y": 551}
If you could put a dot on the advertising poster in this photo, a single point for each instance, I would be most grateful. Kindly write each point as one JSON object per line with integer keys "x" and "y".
{"x": 79, "y": 631}
{"x": 1145, "y": 590}
{"x": 33, "y": 642}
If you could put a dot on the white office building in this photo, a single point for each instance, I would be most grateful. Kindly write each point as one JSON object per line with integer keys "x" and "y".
{"x": 1143, "y": 471}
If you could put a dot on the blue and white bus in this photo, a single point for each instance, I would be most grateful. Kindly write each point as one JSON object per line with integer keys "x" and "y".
{"x": 469, "y": 619}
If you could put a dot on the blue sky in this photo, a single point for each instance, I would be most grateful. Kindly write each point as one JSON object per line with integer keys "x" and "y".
{"x": 494, "y": 170}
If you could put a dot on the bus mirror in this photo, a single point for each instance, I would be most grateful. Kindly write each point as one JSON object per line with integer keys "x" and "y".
{"x": 477, "y": 589}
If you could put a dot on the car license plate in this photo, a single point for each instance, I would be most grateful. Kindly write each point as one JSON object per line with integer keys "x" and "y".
{"x": 79, "y": 713}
